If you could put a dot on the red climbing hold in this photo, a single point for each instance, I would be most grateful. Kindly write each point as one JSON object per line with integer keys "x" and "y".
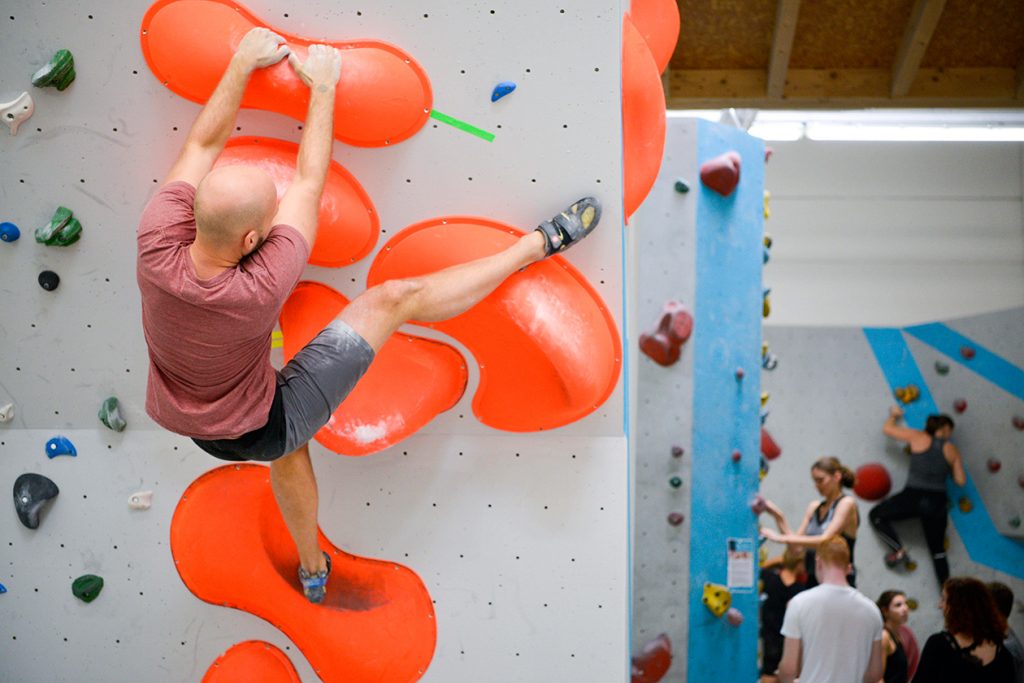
{"x": 674, "y": 327}
{"x": 967, "y": 352}
{"x": 737, "y": 456}
{"x": 675, "y": 518}
{"x": 873, "y": 481}
{"x": 734, "y": 616}
{"x": 960, "y": 405}
{"x": 653, "y": 662}
{"x": 1020, "y": 481}
{"x": 758, "y": 504}
{"x": 769, "y": 448}
{"x": 1018, "y": 423}
{"x": 994, "y": 465}
{"x": 721, "y": 174}
{"x": 677, "y": 451}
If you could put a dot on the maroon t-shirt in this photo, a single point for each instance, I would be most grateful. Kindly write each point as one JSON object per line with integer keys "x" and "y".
{"x": 209, "y": 340}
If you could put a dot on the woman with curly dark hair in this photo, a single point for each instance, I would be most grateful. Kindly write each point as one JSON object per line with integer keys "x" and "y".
{"x": 970, "y": 650}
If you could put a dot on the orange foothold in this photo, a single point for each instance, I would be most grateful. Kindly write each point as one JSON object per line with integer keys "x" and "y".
{"x": 348, "y": 223}
{"x": 548, "y": 349}
{"x": 384, "y": 95}
{"x": 252, "y": 660}
{"x": 965, "y": 504}
{"x": 228, "y": 519}
{"x": 410, "y": 381}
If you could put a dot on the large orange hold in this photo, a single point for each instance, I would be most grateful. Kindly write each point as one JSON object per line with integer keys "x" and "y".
{"x": 410, "y": 381}
{"x": 658, "y": 23}
{"x": 643, "y": 117}
{"x": 548, "y": 349}
{"x": 231, "y": 548}
{"x": 383, "y": 96}
{"x": 348, "y": 224}
{"x": 252, "y": 661}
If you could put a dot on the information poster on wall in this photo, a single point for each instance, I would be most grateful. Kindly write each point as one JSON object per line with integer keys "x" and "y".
{"x": 740, "y": 572}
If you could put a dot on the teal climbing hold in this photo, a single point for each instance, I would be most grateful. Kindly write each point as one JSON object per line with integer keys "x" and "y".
{"x": 9, "y": 232}
{"x": 941, "y": 368}
{"x": 62, "y": 230}
{"x": 110, "y": 415}
{"x": 675, "y": 482}
{"x": 60, "y": 445}
{"x": 59, "y": 72}
{"x": 681, "y": 186}
{"x": 87, "y": 587}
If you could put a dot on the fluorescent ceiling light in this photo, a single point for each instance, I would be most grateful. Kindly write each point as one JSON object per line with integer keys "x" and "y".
{"x": 909, "y": 133}
{"x": 910, "y": 125}
{"x": 777, "y": 130}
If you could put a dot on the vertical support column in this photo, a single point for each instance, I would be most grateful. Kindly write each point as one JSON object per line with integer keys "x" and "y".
{"x": 727, "y": 336}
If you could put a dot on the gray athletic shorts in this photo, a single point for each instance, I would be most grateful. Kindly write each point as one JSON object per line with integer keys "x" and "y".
{"x": 309, "y": 388}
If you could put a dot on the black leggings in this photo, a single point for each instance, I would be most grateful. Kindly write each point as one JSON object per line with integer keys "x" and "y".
{"x": 930, "y": 507}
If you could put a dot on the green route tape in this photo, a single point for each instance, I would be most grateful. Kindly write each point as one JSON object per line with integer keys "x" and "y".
{"x": 462, "y": 125}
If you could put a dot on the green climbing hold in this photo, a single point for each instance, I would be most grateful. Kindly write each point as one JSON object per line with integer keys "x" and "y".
{"x": 941, "y": 368}
{"x": 62, "y": 230}
{"x": 675, "y": 482}
{"x": 87, "y": 587}
{"x": 1015, "y": 522}
{"x": 110, "y": 415}
{"x": 59, "y": 72}
{"x": 682, "y": 187}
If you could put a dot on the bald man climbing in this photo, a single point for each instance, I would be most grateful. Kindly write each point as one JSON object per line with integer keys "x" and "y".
{"x": 218, "y": 257}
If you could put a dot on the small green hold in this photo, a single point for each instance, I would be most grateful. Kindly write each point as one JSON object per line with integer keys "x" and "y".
{"x": 59, "y": 72}
{"x": 110, "y": 415}
{"x": 682, "y": 187}
{"x": 941, "y": 368}
{"x": 1015, "y": 522}
{"x": 675, "y": 482}
{"x": 63, "y": 229}
{"x": 87, "y": 587}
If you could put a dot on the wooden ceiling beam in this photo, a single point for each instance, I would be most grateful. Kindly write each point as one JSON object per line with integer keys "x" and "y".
{"x": 782, "y": 46}
{"x": 843, "y": 88}
{"x": 1020, "y": 78}
{"x": 923, "y": 20}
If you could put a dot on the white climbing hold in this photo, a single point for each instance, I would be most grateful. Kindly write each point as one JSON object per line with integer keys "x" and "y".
{"x": 141, "y": 500}
{"x": 7, "y": 412}
{"x": 17, "y": 111}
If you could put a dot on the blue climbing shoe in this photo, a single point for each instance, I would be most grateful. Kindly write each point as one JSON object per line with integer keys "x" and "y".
{"x": 571, "y": 225}
{"x": 314, "y": 586}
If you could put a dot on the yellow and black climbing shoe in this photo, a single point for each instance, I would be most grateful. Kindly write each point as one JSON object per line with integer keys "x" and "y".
{"x": 570, "y": 226}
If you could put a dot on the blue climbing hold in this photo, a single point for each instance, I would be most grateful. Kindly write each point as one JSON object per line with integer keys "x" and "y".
{"x": 3, "y": 589}
{"x": 502, "y": 89}
{"x": 9, "y": 232}
{"x": 60, "y": 445}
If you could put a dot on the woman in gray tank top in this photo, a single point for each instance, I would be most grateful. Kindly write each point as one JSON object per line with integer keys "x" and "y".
{"x": 833, "y": 515}
{"x": 932, "y": 459}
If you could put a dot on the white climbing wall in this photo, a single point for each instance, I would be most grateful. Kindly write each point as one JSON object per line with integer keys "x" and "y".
{"x": 521, "y": 539}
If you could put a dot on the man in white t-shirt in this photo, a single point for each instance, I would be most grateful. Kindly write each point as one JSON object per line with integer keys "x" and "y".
{"x": 833, "y": 633}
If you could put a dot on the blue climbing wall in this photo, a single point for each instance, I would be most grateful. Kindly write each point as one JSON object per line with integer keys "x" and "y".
{"x": 705, "y": 251}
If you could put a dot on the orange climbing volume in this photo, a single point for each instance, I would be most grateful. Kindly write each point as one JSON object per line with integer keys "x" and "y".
{"x": 411, "y": 379}
{"x": 252, "y": 661}
{"x": 548, "y": 349}
{"x": 384, "y": 96}
{"x": 232, "y": 549}
{"x": 348, "y": 224}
